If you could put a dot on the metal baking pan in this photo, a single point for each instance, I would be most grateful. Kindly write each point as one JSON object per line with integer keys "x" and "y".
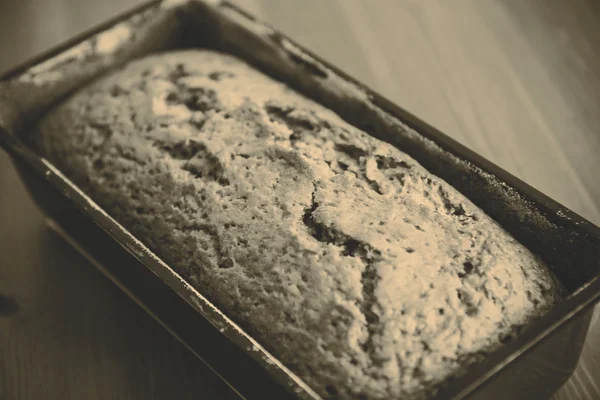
{"x": 534, "y": 365}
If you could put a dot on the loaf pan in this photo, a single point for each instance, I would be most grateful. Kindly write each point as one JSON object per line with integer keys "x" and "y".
{"x": 534, "y": 365}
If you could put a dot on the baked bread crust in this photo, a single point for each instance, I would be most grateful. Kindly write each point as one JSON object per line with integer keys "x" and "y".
{"x": 362, "y": 272}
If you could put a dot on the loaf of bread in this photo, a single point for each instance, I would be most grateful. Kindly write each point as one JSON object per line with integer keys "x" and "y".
{"x": 366, "y": 275}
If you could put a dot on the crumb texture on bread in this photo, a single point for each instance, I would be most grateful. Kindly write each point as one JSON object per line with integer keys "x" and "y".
{"x": 362, "y": 272}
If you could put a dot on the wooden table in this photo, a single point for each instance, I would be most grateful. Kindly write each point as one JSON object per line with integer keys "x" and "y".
{"x": 515, "y": 80}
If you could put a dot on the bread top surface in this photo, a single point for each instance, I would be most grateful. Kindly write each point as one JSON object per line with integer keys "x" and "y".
{"x": 362, "y": 272}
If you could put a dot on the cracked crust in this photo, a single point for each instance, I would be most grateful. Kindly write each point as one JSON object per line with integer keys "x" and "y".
{"x": 365, "y": 274}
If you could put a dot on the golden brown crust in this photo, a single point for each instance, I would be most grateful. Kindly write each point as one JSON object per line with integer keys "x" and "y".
{"x": 365, "y": 274}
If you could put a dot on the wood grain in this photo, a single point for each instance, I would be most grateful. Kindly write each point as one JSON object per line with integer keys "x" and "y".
{"x": 517, "y": 81}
